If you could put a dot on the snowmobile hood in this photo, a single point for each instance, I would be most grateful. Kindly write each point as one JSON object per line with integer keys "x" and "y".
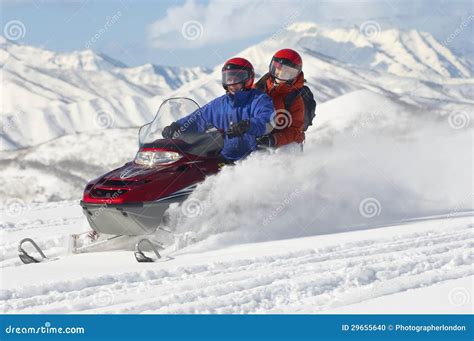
{"x": 132, "y": 172}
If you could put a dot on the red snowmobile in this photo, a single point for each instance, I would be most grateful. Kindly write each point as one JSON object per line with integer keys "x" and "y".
{"x": 131, "y": 201}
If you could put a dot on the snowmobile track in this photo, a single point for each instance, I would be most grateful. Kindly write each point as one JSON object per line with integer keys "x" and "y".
{"x": 310, "y": 279}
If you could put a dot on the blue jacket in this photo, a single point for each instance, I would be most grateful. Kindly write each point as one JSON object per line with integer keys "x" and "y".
{"x": 252, "y": 105}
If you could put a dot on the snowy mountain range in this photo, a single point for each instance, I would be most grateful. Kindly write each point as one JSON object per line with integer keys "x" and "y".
{"x": 34, "y": 78}
{"x": 47, "y": 95}
{"x": 408, "y": 54}
{"x": 338, "y": 61}
{"x": 64, "y": 93}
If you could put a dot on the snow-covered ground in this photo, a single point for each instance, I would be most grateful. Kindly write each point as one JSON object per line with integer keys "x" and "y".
{"x": 446, "y": 297}
{"x": 420, "y": 266}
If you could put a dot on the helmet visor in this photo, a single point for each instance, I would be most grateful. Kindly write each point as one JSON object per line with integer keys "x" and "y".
{"x": 282, "y": 71}
{"x": 230, "y": 77}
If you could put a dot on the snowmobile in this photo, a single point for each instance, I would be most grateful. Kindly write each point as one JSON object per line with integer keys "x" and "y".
{"x": 132, "y": 201}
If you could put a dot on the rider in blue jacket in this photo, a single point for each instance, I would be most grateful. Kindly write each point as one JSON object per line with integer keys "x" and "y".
{"x": 243, "y": 113}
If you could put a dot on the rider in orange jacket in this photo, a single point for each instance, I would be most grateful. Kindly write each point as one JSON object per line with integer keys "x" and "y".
{"x": 284, "y": 77}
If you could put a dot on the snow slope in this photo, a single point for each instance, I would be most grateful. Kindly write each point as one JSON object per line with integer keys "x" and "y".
{"x": 404, "y": 53}
{"x": 355, "y": 223}
{"x": 448, "y": 297}
{"x": 48, "y": 78}
{"x": 58, "y": 170}
{"x": 338, "y": 61}
{"x": 326, "y": 273}
{"x": 46, "y": 94}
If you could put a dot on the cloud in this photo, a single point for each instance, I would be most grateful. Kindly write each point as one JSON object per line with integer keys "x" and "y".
{"x": 194, "y": 24}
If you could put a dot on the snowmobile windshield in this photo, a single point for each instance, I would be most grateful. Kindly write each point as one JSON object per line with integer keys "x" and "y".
{"x": 234, "y": 76}
{"x": 282, "y": 71}
{"x": 170, "y": 110}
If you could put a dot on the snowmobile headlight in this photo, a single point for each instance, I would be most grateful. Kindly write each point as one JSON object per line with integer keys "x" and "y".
{"x": 154, "y": 158}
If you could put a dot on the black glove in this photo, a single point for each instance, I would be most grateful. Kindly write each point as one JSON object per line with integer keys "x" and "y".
{"x": 169, "y": 131}
{"x": 266, "y": 141}
{"x": 238, "y": 129}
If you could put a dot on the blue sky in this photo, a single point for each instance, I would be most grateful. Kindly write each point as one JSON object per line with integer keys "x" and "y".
{"x": 137, "y": 32}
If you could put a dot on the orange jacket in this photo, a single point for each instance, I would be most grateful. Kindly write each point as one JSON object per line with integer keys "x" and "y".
{"x": 292, "y": 129}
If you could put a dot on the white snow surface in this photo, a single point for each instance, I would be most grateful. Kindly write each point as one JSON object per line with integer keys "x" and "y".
{"x": 339, "y": 272}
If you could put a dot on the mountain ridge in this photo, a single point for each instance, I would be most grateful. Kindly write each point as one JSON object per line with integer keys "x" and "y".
{"x": 47, "y": 94}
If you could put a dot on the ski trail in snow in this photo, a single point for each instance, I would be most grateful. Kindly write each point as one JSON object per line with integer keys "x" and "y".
{"x": 291, "y": 280}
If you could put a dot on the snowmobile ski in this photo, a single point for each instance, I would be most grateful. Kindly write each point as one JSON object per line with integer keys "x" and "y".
{"x": 25, "y": 257}
{"x": 140, "y": 255}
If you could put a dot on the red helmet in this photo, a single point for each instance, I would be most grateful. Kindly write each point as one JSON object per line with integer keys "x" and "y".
{"x": 286, "y": 65}
{"x": 236, "y": 71}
